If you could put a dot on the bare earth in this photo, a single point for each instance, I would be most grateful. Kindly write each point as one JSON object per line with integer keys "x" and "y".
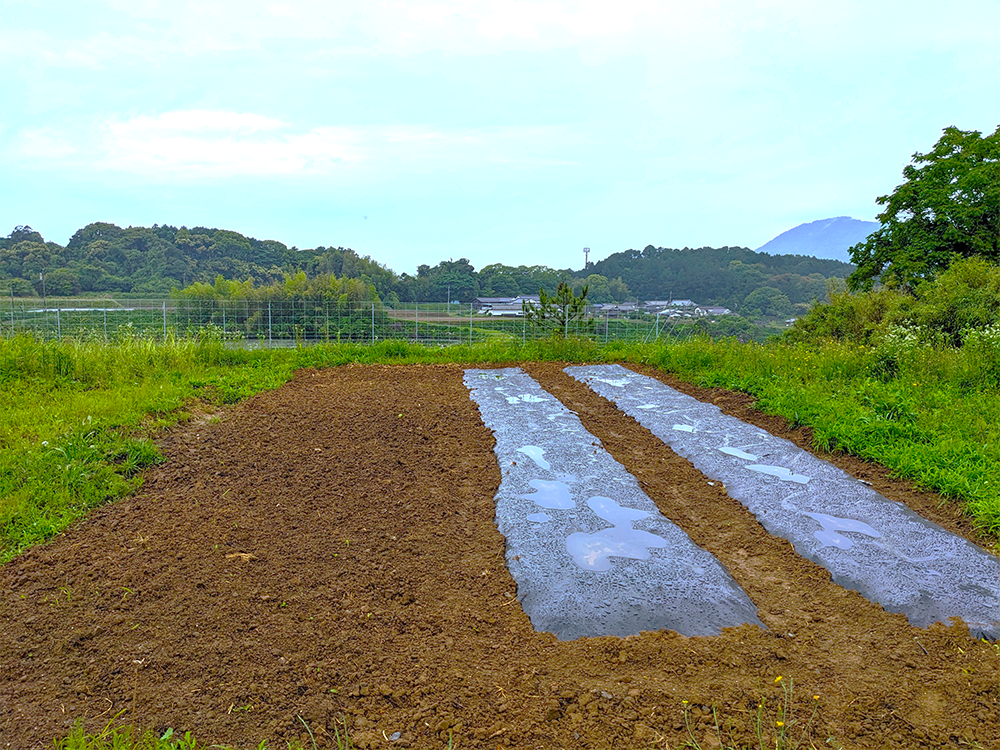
{"x": 325, "y": 555}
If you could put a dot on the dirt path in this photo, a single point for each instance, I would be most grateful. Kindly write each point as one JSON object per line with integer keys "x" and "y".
{"x": 327, "y": 551}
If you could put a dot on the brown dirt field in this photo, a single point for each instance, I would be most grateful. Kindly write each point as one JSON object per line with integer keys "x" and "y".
{"x": 327, "y": 551}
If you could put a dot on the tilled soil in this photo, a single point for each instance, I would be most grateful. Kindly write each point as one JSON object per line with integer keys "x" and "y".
{"x": 325, "y": 556}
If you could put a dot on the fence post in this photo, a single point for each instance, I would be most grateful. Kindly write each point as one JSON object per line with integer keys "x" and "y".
{"x": 59, "y": 323}
{"x": 268, "y": 324}
{"x": 164, "y": 320}
{"x": 416, "y": 321}
{"x": 373, "y": 322}
{"x": 470, "y": 325}
{"x": 566, "y": 321}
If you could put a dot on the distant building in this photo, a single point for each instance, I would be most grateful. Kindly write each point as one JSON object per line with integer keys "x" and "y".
{"x": 708, "y": 311}
{"x": 660, "y": 306}
{"x": 482, "y": 303}
{"x": 504, "y": 306}
{"x": 655, "y": 306}
{"x": 616, "y": 309}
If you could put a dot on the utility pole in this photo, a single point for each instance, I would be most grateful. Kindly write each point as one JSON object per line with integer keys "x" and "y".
{"x": 586, "y": 258}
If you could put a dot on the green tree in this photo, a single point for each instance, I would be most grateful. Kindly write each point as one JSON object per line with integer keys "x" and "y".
{"x": 17, "y": 288}
{"x": 560, "y": 313}
{"x": 948, "y": 207}
{"x": 497, "y": 281}
{"x": 24, "y": 233}
{"x": 619, "y": 290}
{"x": 766, "y": 301}
{"x": 599, "y": 286}
{"x": 62, "y": 282}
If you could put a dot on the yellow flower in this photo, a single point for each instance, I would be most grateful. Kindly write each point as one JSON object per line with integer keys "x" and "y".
{"x": 777, "y": 679}
{"x": 779, "y": 723}
{"x": 815, "y": 697}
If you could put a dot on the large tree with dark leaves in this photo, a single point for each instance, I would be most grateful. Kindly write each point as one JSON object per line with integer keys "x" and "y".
{"x": 948, "y": 207}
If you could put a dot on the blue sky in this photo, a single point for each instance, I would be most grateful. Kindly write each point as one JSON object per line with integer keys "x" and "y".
{"x": 514, "y": 132}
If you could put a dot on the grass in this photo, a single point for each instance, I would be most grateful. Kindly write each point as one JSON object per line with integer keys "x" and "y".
{"x": 125, "y": 737}
{"x": 76, "y": 421}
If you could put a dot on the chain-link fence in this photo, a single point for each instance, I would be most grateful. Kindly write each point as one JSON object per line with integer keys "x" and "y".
{"x": 300, "y": 322}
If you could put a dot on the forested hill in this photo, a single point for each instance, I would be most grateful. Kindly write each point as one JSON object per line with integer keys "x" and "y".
{"x": 104, "y": 257}
{"x": 152, "y": 261}
{"x": 723, "y": 275}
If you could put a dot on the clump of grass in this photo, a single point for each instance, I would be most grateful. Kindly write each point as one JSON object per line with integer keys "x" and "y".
{"x": 127, "y": 737}
{"x": 778, "y": 723}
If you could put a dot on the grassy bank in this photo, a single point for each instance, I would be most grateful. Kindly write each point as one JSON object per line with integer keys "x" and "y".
{"x": 76, "y": 419}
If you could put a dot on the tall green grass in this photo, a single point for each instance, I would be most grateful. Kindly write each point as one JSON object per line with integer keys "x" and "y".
{"x": 76, "y": 417}
{"x": 76, "y": 420}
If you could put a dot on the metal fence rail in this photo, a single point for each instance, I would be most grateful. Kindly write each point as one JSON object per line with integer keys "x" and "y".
{"x": 300, "y": 322}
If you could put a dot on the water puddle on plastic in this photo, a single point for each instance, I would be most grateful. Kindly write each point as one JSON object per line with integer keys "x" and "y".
{"x": 829, "y": 535}
{"x": 785, "y": 475}
{"x": 550, "y": 494}
{"x": 526, "y": 398}
{"x": 536, "y": 454}
{"x": 594, "y": 551}
{"x": 737, "y": 453}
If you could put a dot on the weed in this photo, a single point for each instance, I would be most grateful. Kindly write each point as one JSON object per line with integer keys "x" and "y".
{"x": 124, "y": 737}
{"x": 311, "y": 737}
{"x": 775, "y": 723}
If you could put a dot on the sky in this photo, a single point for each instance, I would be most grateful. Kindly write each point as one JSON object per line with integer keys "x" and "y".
{"x": 415, "y": 131}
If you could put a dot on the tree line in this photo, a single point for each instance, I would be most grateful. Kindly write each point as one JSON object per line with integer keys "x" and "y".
{"x": 102, "y": 258}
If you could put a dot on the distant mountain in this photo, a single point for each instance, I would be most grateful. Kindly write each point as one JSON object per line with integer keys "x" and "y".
{"x": 826, "y": 238}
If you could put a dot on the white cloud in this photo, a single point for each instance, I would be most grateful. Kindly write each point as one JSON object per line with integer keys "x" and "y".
{"x": 219, "y": 145}
{"x": 44, "y": 144}
{"x": 207, "y": 143}
{"x": 196, "y": 121}
{"x": 160, "y": 30}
